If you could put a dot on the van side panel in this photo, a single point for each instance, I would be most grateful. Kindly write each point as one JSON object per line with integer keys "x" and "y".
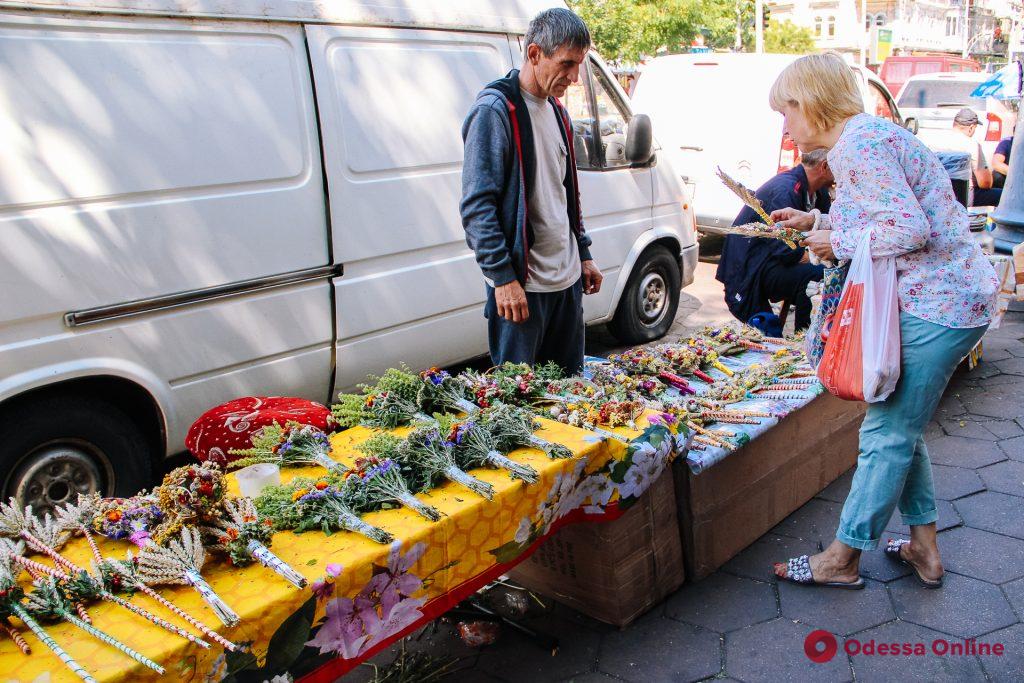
{"x": 391, "y": 105}
{"x": 147, "y": 157}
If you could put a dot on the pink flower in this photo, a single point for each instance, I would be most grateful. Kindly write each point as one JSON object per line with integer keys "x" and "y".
{"x": 334, "y": 569}
{"x": 322, "y": 589}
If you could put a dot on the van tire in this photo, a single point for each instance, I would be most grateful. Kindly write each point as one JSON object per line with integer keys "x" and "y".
{"x": 59, "y": 446}
{"x": 649, "y": 302}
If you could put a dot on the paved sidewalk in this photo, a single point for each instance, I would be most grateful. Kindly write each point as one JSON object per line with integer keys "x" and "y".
{"x": 739, "y": 624}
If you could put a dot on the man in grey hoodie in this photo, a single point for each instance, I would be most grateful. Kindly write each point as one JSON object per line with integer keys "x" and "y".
{"x": 521, "y": 205}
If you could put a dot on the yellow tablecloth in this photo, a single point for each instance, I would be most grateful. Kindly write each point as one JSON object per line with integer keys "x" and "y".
{"x": 364, "y": 595}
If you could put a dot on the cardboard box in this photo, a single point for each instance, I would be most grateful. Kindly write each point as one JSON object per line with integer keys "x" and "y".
{"x": 730, "y": 505}
{"x": 613, "y": 571}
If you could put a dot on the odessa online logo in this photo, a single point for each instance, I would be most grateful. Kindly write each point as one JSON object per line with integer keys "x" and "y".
{"x": 821, "y": 647}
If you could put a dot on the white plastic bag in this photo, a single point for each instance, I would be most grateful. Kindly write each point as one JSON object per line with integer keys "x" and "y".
{"x": 861, "y": 361}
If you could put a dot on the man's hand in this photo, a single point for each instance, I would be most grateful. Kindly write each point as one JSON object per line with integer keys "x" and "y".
{"x": 793, "y": 218}
{"x": 820, "y": 242}
{"x": 511, "y": 300}
{"x": 591, "y": 278}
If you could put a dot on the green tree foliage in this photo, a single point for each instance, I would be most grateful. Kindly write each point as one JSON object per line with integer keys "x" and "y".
{"x": 625, "y": 31}
{"x": 788, "y": 38}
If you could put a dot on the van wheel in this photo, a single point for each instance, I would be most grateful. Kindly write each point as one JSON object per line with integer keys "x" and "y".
{"x": 55, "y": 448}
{"x": 650, "y": 300}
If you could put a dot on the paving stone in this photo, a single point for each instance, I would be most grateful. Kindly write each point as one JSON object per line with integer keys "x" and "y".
{"x": 930, "y": 667}
{"x": 834, "y": 610}
{"x": 949, "y": 406}
{"x": 596, "y": 677}
{"x": 1004, "y": 429}
{"x": 658, "y": 649}
{"x": 959, "y": 451}
{"x": 1009, "y": 668}
{"x": 993, "y": 511}
{"x": 516, "y": 658}
{"x": 968, "y": 428}
{"x": 932, "y": 431}
{"x": 983, "y": 371}
{"x": 1014, "y": 591}
{"x": 983, "y": 555}
{"x": 955, "y": 482}
{"x": 837, "y": 490}
{"x": 1012, "y": 366}
{"x": 963, "y": 607}
{"x": 1013, "y": 448}
{"x": 876, "y": 566}
{"x": 816, "y": 521}
{"x": 756, "y": 561}
{"x": 1004, "y": 401}
{"x": 995, "y": 353}
{"x": 1005, "y": 477}
{"x": 774, "y": 651}
{"x": 723, "y": 602}
{"x": 948, "y": 518}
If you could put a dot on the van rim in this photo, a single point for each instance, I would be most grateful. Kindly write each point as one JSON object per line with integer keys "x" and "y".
{"x": 653, "y": 298}
{"x": 56, "y": 472}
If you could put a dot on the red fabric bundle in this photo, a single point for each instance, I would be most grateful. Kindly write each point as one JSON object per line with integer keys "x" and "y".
{"x": 231, "y": 424}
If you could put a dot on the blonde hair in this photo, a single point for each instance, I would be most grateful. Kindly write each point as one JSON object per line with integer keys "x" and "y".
{"x": 822, "y": 86}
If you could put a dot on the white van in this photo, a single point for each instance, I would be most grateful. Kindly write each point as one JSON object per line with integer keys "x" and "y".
{"x": 203, "y": 200}
{"x": 712, "y": 110}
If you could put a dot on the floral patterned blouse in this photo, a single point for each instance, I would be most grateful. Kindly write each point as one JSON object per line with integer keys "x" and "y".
{"x": 889, "y": 182}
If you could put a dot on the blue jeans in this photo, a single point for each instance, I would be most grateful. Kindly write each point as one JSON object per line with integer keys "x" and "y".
{"x": 893, "y": 465}
{"x": 553, "y": 332}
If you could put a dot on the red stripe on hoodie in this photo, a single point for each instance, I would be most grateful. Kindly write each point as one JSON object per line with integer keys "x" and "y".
{"x": 522, "y": 183}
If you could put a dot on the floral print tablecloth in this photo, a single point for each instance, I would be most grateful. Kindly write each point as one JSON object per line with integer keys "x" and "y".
{"x": 362, "y": 595}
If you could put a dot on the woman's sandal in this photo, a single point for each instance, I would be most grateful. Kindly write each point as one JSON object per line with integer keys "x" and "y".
{"x": 892, "y": 551}
{"x": 798, "y": 570}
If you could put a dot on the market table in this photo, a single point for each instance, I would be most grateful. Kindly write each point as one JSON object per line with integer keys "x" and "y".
{"x": 364, "y": 595}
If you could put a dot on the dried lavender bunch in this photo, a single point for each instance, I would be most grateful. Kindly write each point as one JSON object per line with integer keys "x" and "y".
{"x": 294, "y": 445}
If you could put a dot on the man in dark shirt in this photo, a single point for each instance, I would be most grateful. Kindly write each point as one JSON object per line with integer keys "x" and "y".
{"x": 1001, "y": 162}
{"x": 758, "y": 270}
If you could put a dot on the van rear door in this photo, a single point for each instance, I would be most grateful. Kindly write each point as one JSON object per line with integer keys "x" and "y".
{"x": 391, "y": 104}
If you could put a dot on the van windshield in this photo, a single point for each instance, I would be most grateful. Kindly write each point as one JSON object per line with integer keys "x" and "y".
{"x": 945, "y": 93}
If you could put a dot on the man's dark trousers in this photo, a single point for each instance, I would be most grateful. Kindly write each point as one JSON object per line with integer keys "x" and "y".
{"x": 790, "y": 282}
{"x": 553, "y": 332}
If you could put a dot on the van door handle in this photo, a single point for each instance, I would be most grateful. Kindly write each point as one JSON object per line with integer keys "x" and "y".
{"x": 693, "y": 147}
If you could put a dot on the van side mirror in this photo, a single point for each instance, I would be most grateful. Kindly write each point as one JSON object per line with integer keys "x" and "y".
{"x": 639, "y": 140}
{"x": 910, "y": 123}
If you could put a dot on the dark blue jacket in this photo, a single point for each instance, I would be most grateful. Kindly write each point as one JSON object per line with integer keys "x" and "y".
{"x": 744, "y": 259}
{"x": 499, "y": 165}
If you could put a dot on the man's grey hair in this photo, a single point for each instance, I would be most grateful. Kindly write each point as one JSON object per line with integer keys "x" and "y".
{"x": 554, "y": 28}
{"x": 814, "y": 158}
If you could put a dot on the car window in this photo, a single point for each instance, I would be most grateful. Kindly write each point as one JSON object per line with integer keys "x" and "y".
{"x": 945, "y": 93}
{"x": 881, "y": 105}
{"x": 613, "y": 121}
{"x": 927, "y": 67}
{"x": 577, "y": 102}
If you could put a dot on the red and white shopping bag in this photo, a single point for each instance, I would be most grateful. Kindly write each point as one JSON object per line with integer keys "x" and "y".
{"x": 861, "y": 360}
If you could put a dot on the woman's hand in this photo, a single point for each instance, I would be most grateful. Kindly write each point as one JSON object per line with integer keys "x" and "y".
{"x": 793, "y": 218}
{"x": 820, "y": 243}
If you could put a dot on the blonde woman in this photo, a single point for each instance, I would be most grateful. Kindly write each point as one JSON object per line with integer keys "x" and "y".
{"x": 890, "y": 184}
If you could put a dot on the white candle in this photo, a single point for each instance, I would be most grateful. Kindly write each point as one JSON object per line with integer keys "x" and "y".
{"x": 254, "y": 478}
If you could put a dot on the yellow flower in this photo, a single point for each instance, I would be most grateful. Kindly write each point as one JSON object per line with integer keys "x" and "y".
{"x": 299, "y": 493}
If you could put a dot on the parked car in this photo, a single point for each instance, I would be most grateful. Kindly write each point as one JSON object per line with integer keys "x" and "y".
{"x": 736, "y": 130}
{"x": 935, "y": 99}
{"x": 203, "y": 201}
{"x": 896, "y": 71}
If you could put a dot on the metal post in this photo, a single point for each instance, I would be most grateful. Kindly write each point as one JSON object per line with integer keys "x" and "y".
{"x": 759, "y": 26}
{"x": 867, "y": 29}
{"x": 1009, "y": 215}
{"x": 966, "y": 28}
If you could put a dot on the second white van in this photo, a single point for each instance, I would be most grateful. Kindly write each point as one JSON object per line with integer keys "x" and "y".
{"x": 712, "y": 110}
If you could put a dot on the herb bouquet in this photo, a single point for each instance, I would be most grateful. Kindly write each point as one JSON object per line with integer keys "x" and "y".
{"x": 426, "y": 458}
{"x": 293, "y": 445}
{"x": 326, "y": 504}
